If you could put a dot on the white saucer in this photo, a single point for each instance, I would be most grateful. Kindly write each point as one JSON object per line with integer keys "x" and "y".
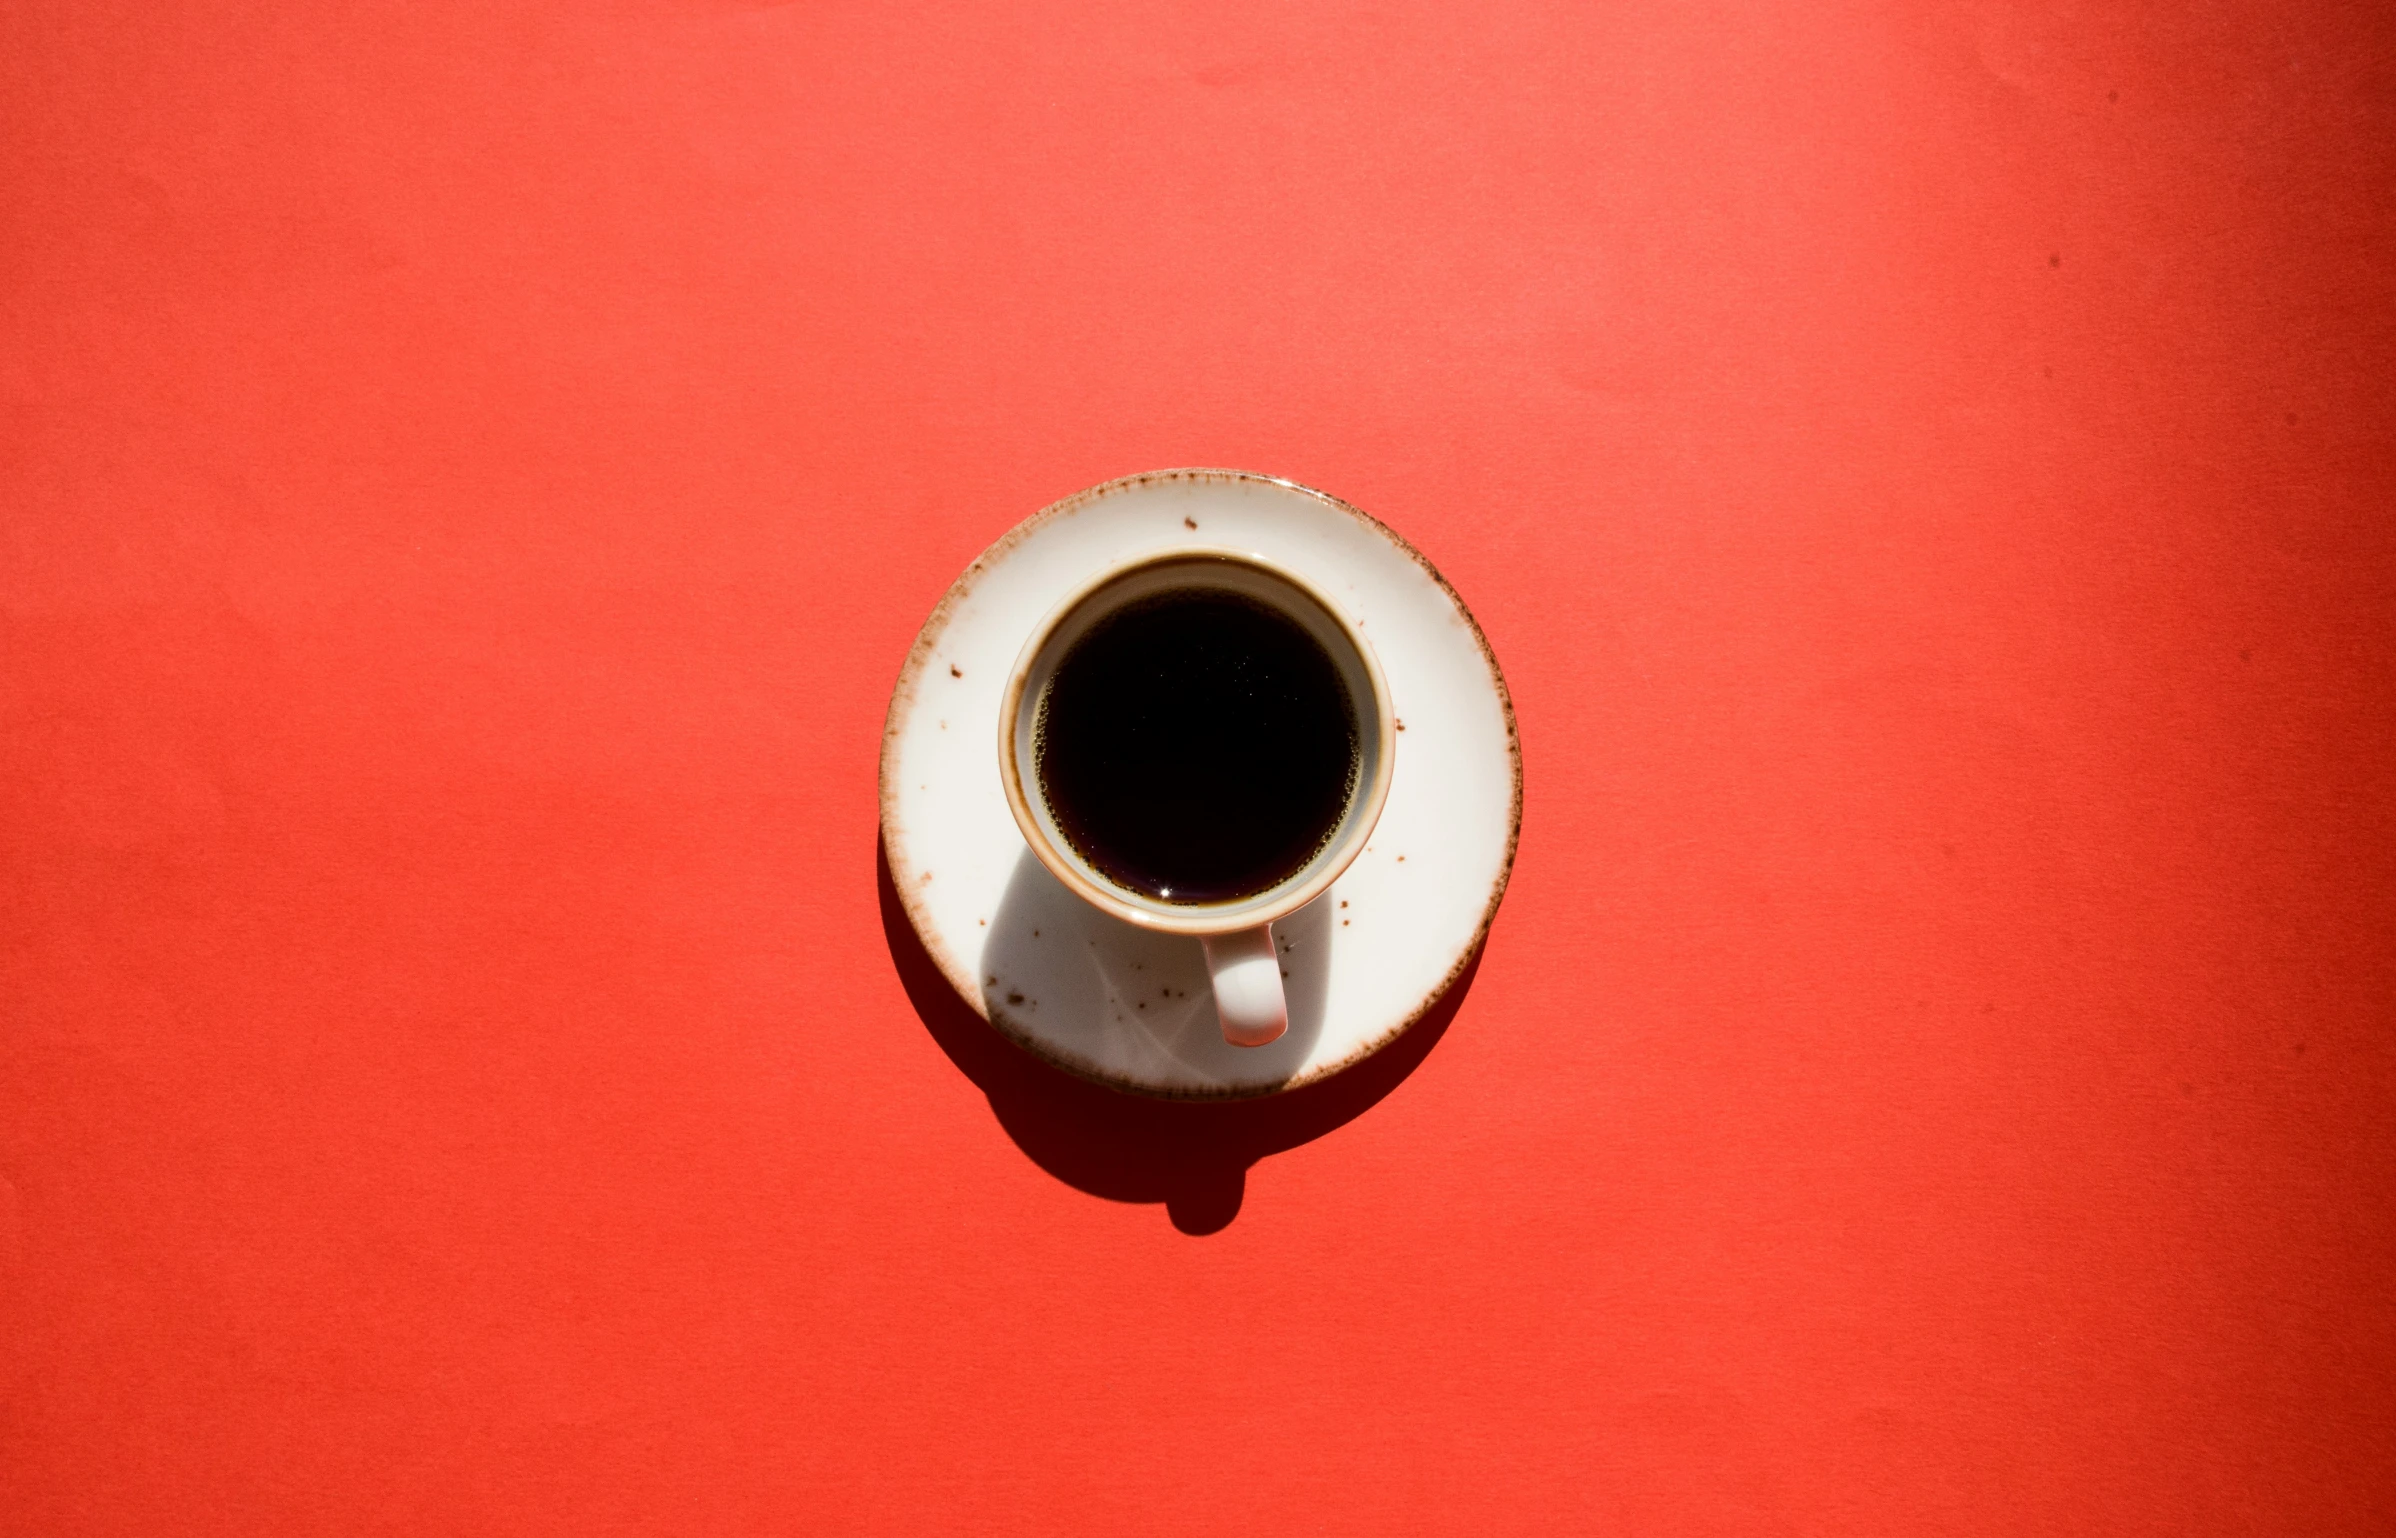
{"x": 1128, "y": 1007}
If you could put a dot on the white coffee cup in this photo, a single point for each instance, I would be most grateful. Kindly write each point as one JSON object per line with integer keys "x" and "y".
{"x": 1238, "y": 934}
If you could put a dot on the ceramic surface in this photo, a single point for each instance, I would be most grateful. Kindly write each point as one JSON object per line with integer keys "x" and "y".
{"x": 1130, "y": 1007}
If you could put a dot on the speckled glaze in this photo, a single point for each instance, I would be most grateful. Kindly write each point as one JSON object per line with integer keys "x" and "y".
{"x": 1128, "y": 1006}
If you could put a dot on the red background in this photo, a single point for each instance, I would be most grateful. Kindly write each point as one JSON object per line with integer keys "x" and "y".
{"x": 470, "y": 476}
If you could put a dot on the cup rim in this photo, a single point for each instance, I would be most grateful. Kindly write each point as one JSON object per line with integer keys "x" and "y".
{"x": 1195, "y": 919}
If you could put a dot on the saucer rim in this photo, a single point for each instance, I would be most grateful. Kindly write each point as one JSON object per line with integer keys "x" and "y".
{"x": 903, "y": 699}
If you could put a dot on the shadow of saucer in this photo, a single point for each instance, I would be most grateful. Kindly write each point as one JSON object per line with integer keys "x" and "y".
{"x": 1192, "y": 1155}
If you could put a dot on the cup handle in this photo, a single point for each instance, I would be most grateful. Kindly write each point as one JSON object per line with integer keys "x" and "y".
{"x": 1247, "y": 979}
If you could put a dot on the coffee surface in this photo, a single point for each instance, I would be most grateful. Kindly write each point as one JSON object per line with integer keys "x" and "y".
{"x": 1197, "y": 746}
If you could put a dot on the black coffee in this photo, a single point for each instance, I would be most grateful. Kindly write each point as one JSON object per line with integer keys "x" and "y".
{"x": 1197, "y": 746}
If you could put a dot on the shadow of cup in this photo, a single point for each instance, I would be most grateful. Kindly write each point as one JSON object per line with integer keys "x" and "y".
{"x": 1191, "y": 1155}
{"x": 1128, "y": 1005}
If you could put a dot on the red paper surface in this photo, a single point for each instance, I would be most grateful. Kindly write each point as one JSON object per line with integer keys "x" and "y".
{"x": 470, "y": 475}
